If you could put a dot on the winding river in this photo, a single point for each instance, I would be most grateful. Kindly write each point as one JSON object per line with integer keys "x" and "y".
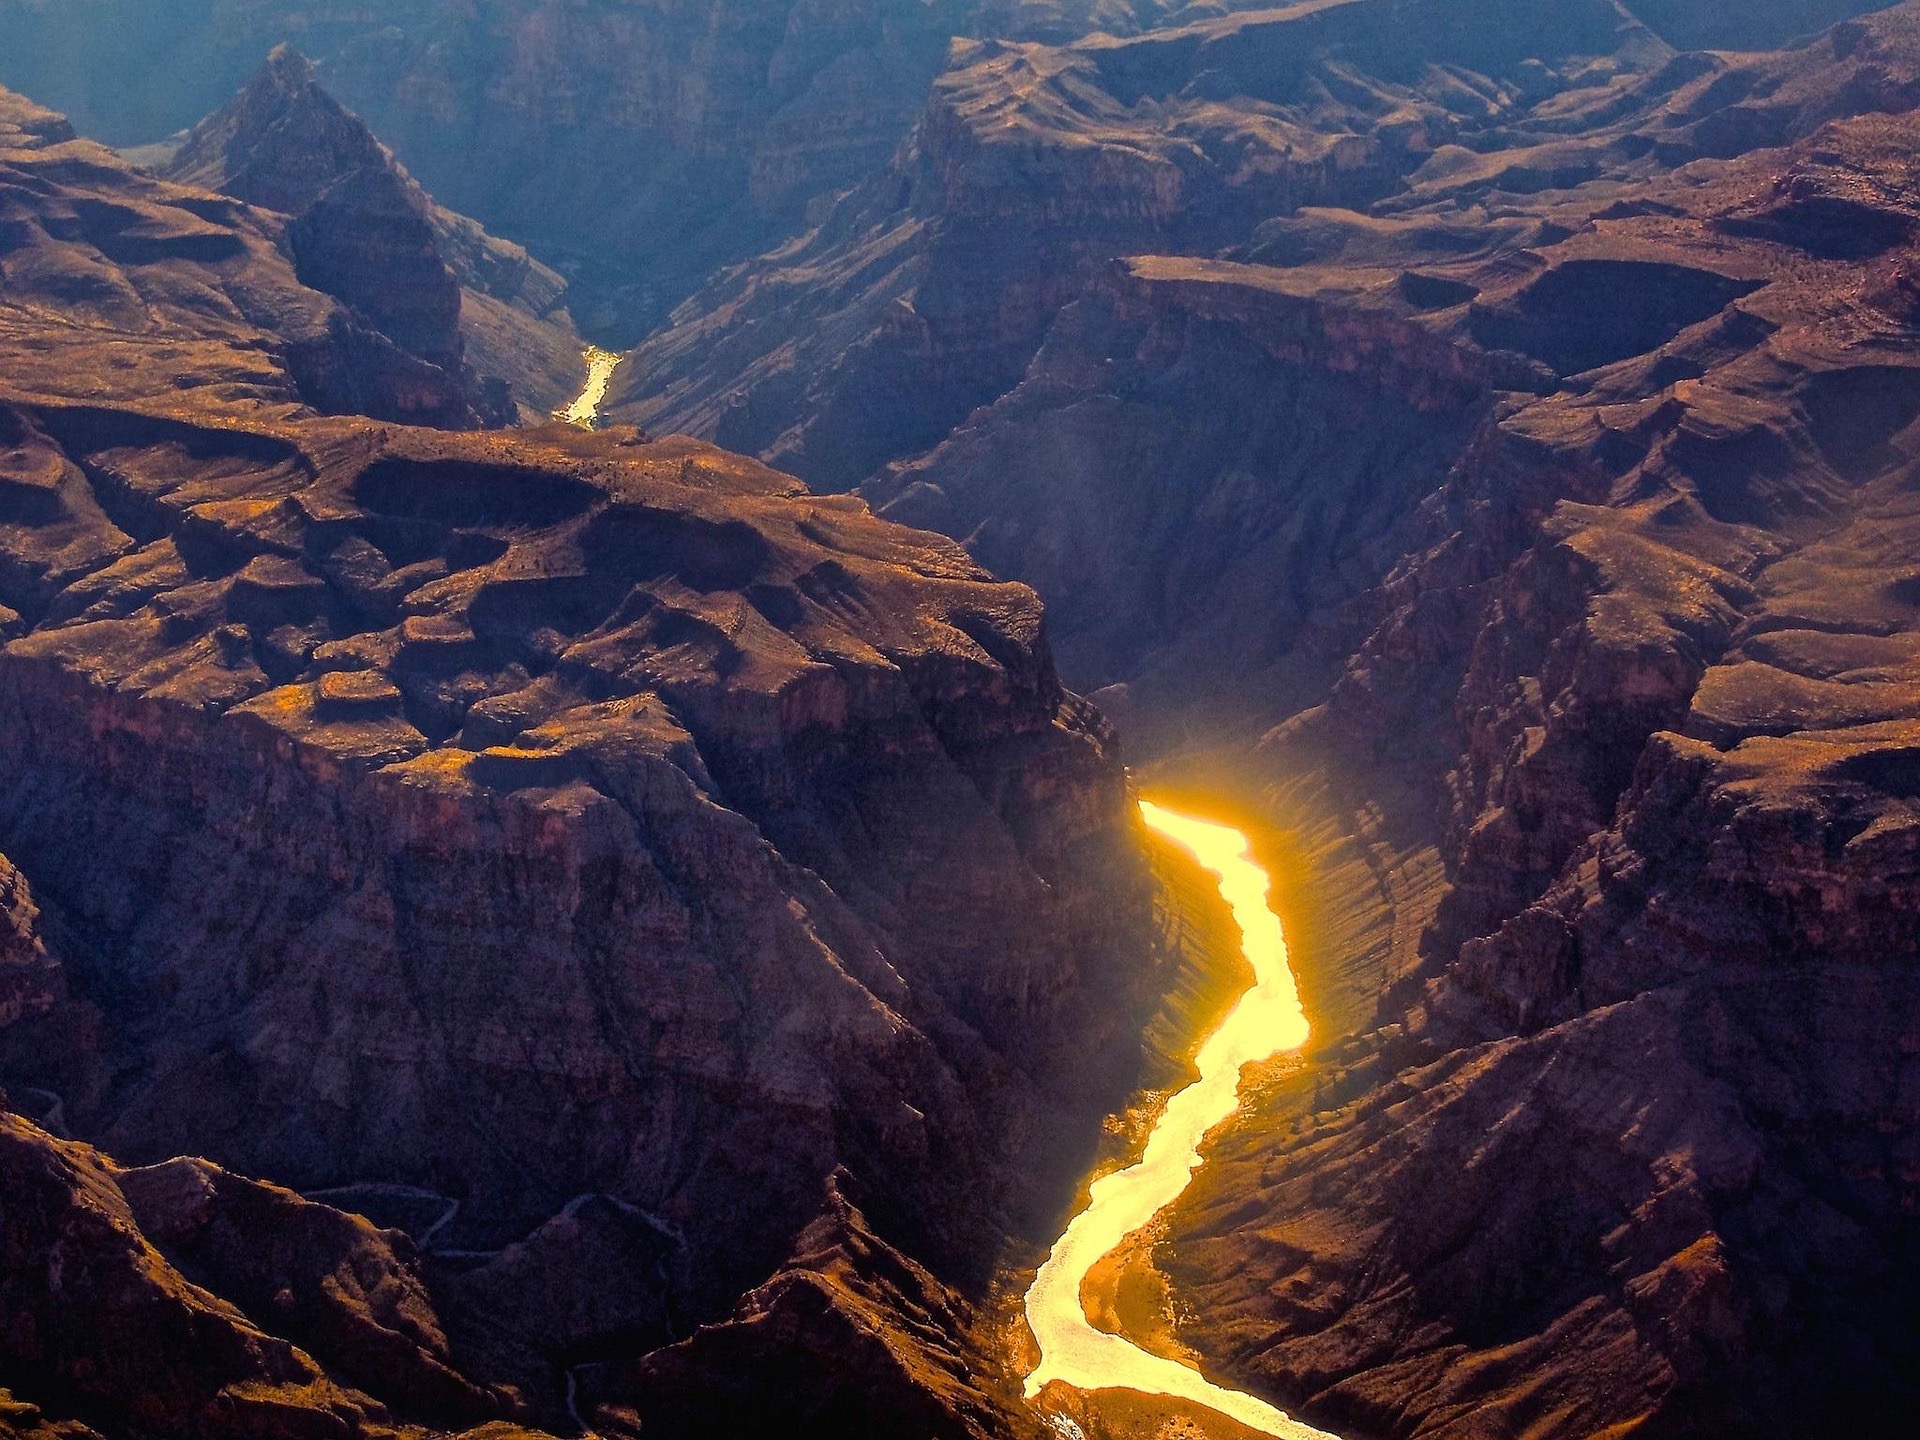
{"x": 585, "y": 411}
{"x": 1267, "y": 1021}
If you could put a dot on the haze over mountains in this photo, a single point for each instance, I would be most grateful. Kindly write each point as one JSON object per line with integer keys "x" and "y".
{"x": 667, "y": 875}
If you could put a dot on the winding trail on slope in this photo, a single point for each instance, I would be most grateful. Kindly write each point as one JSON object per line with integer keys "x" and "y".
{"x": 585, "y": 411}
{"x": 1267, "y": 1021}
{"x": 381, "y": 1190}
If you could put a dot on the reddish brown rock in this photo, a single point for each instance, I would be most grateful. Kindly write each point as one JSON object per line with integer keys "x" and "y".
{"x": 616, "y": 672}
{"x": 346, "y": 1293}
{"x": 95, "y": 1315}
{"x": 643, "y": 147}
{"x": 1633, "y": 1152}
{"x": 26, "y": 1421}
{"x": 164, "y": 290}
{"x": 849, "y": 1335}
{"x": 925, "y": 293}
{"x": 610, "y": 839}
{"x": 1180, "y": 470}
{"x": 26, "y": 972}
{"x": 668, "y": 802}
{"x": 364, "y": 232}
{"x": 361, "y": 230}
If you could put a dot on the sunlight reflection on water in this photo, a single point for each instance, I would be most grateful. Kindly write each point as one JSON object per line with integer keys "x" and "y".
{"x": 1267, "y": 1021}
{"x": 585, "y": 411}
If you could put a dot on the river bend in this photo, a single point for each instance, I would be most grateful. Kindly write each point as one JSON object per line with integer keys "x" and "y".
{"x": 1268, "y": 1020}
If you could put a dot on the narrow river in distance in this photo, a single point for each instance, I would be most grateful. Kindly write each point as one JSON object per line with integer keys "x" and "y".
{"x": 1268, "y": 1020}
{"x": 585, "y": 411}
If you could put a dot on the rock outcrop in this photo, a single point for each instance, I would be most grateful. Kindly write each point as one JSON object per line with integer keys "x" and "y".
{"x": 27, "y": 974}
{"x": 164, "y": 293}
{"x": 1633, "y": 1152}
{"x": 848, "y": 1336}
{"x": 578, "y": 848}
{"x": 643, "y": 657}
{"x": 184, "y": 1301}
{"x": 1204, "y": 461}
{"x": 361, "y": 232}
{"x": 642, "y": 146}
{"x": 1489, "y": 436}
{"x": 925, "y": 293}
{"x": 1208, "y": 463}
{"x": 364, "y": 232}
{"x": 1562, "y": 490}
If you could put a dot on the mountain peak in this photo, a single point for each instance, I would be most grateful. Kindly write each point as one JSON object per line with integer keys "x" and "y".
{"x": 290, "y": 73}
{"x": 27, "y": 126}
{"x": 281, "y": 142}
{"x": 362, "y": 229}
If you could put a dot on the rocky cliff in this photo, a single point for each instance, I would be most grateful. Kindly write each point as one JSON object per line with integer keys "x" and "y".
{"x": 1487, "y": 446}
{"x": 925, "y": 293}
{"x": 573, "y": 850}
{"x": 1558, "y": 493}
{"x": 409, "y": 665}
{"x": 1631, "y": 1151}
{"x": 180, "y": 1300}
{"x": 363, "y": 231}
{"x": 360, "y": 231}
{"x": 121, "y": 286}
{"x": 641, "y": 145}
{"x": 1204, "y": 461}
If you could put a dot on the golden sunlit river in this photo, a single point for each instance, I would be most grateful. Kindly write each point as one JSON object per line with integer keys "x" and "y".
{"x": 585, "y": 411}
{"x": 1267, "y": 1021}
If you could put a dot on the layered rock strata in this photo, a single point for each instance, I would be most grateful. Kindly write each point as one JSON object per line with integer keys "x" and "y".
{"x": 364, "y": 232}
{"x": 640, "y": 145}
{"x": 1632, "y": 1151}
{"x": 123, "y": 287}
{"x": 573, "y": 849}
{"x": 925, "y": 292}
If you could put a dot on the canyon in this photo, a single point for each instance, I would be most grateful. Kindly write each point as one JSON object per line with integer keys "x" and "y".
{"x": 641, "y": 145}
{"x": 605, "y": 835}
{"x": 656, "y": 917}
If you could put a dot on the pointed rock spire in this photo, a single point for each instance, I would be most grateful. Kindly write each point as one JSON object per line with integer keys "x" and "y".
{"x": 362, "y": 228}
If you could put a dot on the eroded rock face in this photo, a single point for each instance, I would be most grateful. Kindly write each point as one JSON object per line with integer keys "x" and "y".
{"x": 687, "y": 838}
{"x": 1208, "y": 463}
{"x": 1201, "y": 464}
{"x": 565, "y": 745}
{"x": 644, "y": 144}
{"x": 926, "y": 293}
{"x": 95, "y": 1315}
{"x": 596, "y": 843}
{"x": 849, "y": 1335}
{"x": 363, "y": 231}
{"x": 184, "y": 1300}
{"x": 1630, "y": 1147}
{"x": 164, "y": 290}
{"x": 347, "y": 1294}
{"x": 26, "y": 972}
{"x": 1634, "y": 1150}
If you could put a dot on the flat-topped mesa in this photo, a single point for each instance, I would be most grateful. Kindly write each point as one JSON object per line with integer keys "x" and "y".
{"x": 362, "y": 229}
